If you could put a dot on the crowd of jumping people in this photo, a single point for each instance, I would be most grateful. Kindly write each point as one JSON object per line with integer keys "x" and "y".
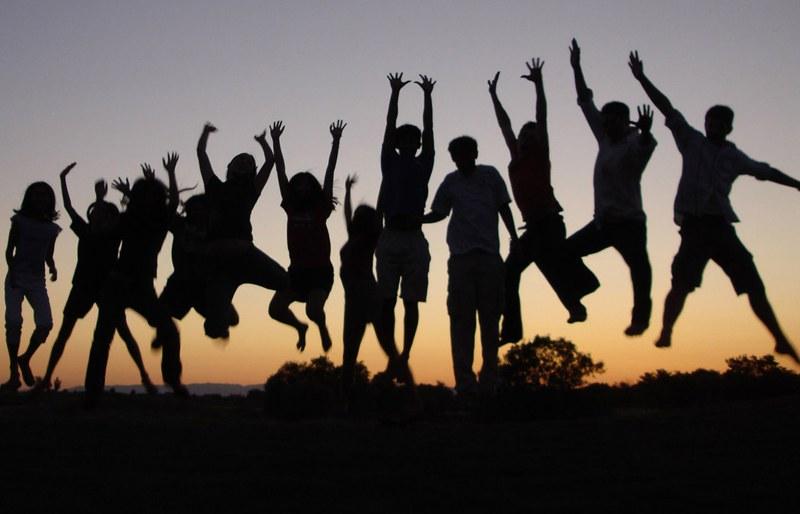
{"x": 213, "y": 251}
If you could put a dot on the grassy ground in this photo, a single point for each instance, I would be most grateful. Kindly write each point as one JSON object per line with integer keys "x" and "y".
{"x": 139, "y": 454}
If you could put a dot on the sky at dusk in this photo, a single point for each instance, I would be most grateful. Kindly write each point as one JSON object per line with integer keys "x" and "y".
{"x": 111, "y": 84}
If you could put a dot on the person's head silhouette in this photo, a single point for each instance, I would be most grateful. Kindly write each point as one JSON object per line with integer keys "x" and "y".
{"x": 464, "y": 152}
{"x": 616, "y": 119}
{"x": 407, "y": 140}
{"x": 719, "y": 123}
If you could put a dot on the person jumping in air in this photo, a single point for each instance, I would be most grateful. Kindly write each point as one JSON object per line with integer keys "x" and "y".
{"x": 545, "y": 233}
{"x": 308, "y": 206}
{"x": 231, "y": 257}
{"x": 362, "y": 304}
{"x": 143, "y": 227}
{"x": 619, "y": 220}
{"x": 402, "y": 254}
{"x": 704, "y": 213}
{"x": 98, "y": 243}
{"x": 31, "y": 241}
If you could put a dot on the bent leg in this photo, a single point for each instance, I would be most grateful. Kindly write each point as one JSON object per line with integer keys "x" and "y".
{"x": 279, "y": 311}
{"x": 133, "y": 350}
{"x": 315, "y": 310}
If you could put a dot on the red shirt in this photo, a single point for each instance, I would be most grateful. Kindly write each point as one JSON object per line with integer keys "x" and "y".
{"x": 307, "y": 235}
{"x": 530, "y": 185}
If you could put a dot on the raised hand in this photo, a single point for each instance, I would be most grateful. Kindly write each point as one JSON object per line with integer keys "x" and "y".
{"x": 66, "y": 170}
{"x": 534, "y": 70}
{"x": 170, "y": 161}
{"x": 123, "y": 186}
{"x": 261, "y": 138}
{"x": 396, "y": 81}
{"x": 493, "y": 84}
{"x": 208, "y": 128}
{"x": 574, "y": 54}
{"x": 148, "y": 172}
{"x": 635, "y": 64}
{"x": 100, "y": 189}
{"x": 276, "y": 129}
{"x": 426, "y": 83}
{"x": 350, "y": 181}
{"x": 337, "y": 128}
{"x": 645, "y": 118}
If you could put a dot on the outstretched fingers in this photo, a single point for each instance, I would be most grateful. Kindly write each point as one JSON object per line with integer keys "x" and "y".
{"x": 337, "y": 128}
{"x": 635, "y": 64}
{"x": 396, "y": 81}
{"x": 170, "y": 161}
{"x": 276, "y": 129}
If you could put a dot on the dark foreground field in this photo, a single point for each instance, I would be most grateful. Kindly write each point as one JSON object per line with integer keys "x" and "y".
{"x": 139, "y": 454}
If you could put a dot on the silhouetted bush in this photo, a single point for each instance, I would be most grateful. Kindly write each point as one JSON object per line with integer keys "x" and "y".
{"x": 546, "y": 363}
{"x": 303, "y": 390}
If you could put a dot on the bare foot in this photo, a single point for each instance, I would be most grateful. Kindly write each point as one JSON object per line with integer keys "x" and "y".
{"x": 784, "y": 347}
{"x": 326, "y": 338}
{"x": 25, "y": 368}
{"x": 301, "y": 336}
{"x": 664, "y": 340}
{"x": 148, "y": 385}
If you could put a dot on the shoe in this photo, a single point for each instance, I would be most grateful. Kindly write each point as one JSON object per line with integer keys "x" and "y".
{"x": 637, "y": 328}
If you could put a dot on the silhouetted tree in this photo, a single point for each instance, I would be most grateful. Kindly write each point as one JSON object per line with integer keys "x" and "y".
{"x": 754, "y": 367}
{"x": 548, "y": 363}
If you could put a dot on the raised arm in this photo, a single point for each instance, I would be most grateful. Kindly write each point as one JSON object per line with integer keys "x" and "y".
{"x": 502, "y": 117}
{"x": 396, "y": 82}
{"x": 348, "y": 206}
{"x": 275, "y": 131}
{"x": 169, "y": 163}
{"x": 269, "y": 161}
{"x": 426, "y": 83}
{"x": 535, "y": 76}
{"x": 583, "y": 91}
{"x": 779, "y": 177}
{"x": 73, "y": 214}
{"x": 336, "y": 130}
{"x": 658, "y": 98}
{"x": 206, "y": 171}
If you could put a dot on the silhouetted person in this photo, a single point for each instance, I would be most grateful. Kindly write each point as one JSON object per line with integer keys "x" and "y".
{"x": 308, "y": 206}
{"x": 231, "y": 255}
{"x": 142, "y": 228}
{"x": 475, "y": 194}
{"x": 362, "y": 301}
{"x": 187, "y": 287}
{"x": 543, "y": 239}
{"x": 98, "y": 244}
{"x": 402, "y": 253}
{"x": 704, "y": 213}
{"x": 619, "y": 220}
{"x": 31, "y": 241}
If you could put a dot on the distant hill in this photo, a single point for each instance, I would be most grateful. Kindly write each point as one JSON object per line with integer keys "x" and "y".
{"x": 195, "y": 389}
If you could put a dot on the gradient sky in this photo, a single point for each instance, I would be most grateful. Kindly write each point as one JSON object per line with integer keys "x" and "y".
{"x": 111, "y": 84}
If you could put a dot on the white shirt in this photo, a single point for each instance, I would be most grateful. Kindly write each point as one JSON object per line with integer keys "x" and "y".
{"x": 474, "y": 200}
{"x": 708, "y": 172}
{"x": 617, "y": 170}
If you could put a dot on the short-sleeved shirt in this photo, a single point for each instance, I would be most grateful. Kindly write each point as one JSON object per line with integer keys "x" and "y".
{"x": 708, "y": 172}
{"x": 97, "y": 254}
{"x": 142, "y": 240}
{"x": 307, "y": 235}
{"x": 618, "y": 169}
{"x": 474, "y": 200}
{"x": 404, "y": 188}
{"x": 34, "y": 240}
{"x": 231, "y": 207}
{"x": 531, "y": 187}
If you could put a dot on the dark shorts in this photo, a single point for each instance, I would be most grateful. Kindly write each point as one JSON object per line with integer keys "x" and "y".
{"x": 305, "y": 280}
{"x": 80, "y": 301}
{"x": 709, "y": 238}
{"x": 180, "y": 295}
